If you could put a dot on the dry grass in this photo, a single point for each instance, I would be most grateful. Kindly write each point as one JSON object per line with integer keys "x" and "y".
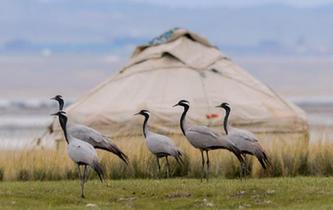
{"x": 288, "y": 159}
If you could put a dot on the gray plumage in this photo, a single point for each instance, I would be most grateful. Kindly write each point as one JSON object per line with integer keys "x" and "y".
{"x": 244, "y": 140}
{"x": 159, "y": 145}
{"x": 204, "y": 139}
{"x": 90, "y": 135}
{"x": 201, "y": 137}
{"x": 81, "y": 152}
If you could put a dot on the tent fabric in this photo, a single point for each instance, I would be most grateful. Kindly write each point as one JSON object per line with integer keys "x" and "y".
{"x": 184, "y": 66}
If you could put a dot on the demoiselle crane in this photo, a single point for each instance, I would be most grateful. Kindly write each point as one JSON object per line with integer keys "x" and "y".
{"x": 81, "y": 152}
{"x": 90, "y": 135}
{"x": 160, "y": 145}
{"x": 244, "y": 140}
{"x": 204, "y": 139}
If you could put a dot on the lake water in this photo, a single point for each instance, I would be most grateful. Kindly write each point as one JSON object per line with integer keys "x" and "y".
{"x": 22, "y": 122}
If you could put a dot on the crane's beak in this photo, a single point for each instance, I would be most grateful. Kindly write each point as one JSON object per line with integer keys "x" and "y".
{"x": 54, "y": 98}
{"x": 137, "y": 113}
{"x": 54, "y": 114}
{"x": 58, "y": 113}
{"x": 219, "y": 106}
{"x": 175, "y": 105}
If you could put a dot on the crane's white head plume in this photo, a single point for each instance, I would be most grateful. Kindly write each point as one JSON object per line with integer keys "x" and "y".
{"x": 183, "y": 103}
{"x": 57, "y": 97}
{"x": 224, "y": 105}
{"x": 143, "y": 112}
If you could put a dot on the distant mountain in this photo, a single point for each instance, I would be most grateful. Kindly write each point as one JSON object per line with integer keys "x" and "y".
{"x": 117, "y": 25}
{"x": 119, "y": 46}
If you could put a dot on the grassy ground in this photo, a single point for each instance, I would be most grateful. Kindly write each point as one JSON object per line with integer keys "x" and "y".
{"x": 268, "y": 193}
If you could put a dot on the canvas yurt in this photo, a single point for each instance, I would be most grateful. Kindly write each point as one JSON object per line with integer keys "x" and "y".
{"x": 181, "y": 64}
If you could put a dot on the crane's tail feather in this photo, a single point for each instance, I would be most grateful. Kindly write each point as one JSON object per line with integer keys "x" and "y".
{"x": 266, "y": 160}
{"x": 179, "y": 158}
{"x": 108, "y": 146}
{"x": 97, "y": 167}
{"x": 262, "y": 163}
{"x": 232, "y": 148}
{"x": 179, "y": 153}
{"x": 263, "y": 158}
{"x": 115, "y": 150}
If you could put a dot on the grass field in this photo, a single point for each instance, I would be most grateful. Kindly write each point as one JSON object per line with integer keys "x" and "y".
{"x": 288, "y": 158}
{"x": 267, "y": 193}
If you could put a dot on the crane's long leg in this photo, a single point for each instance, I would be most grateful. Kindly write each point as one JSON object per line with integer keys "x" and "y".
{"x": 208, "y": 165}
{"x": 245, "y": 166}
{"x": 84, "y": 179}
{"x": 241, "y": 173}
{"x": 168, "y": 166}
{"x": 203, "y": 164}
{"x": 86, "y": 173}
{"x": 159, "y": 166}
{"x": 81, "y": 181}
{"x": 78, "y": 167}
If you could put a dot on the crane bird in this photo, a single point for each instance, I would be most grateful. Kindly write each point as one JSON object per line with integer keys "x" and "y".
{"x": 244, "y": 140}
{"x": 81, "y": 152}
{"x": 204, "y": 139}
{"x": 90, "y": 135}
{"x": 161, "y": 146}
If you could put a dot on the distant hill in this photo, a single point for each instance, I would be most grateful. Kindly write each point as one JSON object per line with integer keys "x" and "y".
{"x": 101, "y": 26}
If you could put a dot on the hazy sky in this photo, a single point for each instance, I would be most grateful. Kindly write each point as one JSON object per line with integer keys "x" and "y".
{"x": 85, "y": 24}
{"x": 212, "y": 3}
{"x": 83, "y": 21}
{"x": 236, "y": 3}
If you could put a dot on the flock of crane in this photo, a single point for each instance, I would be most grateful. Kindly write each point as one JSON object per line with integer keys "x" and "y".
{"x": 82, "y": 141}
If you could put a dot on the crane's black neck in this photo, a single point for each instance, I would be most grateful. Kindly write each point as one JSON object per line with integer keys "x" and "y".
{"x": 182, "y": 119}
{"x": 63, "y": 123}
{"x": 226, "y": 118}
{"x": 145, "y": 125}
{"x": 61, "y": 103}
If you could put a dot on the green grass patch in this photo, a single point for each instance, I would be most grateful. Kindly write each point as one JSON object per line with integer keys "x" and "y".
{"x": 267, "y": 193}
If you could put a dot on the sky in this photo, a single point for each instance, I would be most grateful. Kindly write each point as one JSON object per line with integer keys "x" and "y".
{"x": 237, "y": 3}
{"x": 87, "y": 40}
{"x": 84, "y": 24}
{"x": 224, "y": 3}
